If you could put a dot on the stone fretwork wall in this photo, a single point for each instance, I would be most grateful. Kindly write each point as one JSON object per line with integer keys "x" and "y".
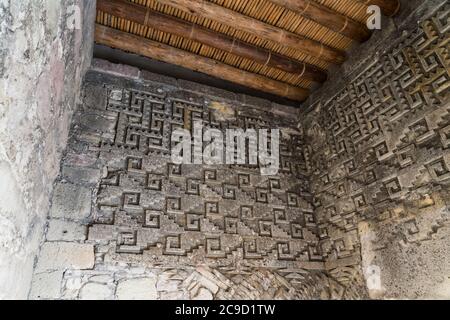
{"x": 45, "y": 51}
{"x": 379, "y": 159}
{"x": 128, "y": 223}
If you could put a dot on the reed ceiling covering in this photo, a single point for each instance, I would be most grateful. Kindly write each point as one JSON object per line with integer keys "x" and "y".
{"x": 282, "y": 47}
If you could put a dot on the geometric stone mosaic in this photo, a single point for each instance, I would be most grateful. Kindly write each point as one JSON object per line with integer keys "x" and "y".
{"x": 379, "y": 149}
{"x": 207, "y": 226}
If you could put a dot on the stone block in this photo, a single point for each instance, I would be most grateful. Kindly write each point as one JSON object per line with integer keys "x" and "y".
{"x": 102, "y": 279}
{"x": 174, "y": 295}
{"x": 166, "y": 284}
{"x": 77, "y": 158}
{"x": 71, "y": 202}
{"x": 97, "y": 122}
{"x": 160, "y": 79}
{"x": 255, "y": 102}
{"x": 283, "y": 110}
{"x": 96, "y": 291}
{"x": 95, "y": 98}
{"x": 46, "y": 285}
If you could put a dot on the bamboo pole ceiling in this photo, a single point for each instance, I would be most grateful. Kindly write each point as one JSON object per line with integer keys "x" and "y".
{"x": 291, "y": 43}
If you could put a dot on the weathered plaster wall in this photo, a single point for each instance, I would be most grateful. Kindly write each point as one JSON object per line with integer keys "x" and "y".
{"x": 45, "y": 49}
{"x": 379, "y": 159}
{"x": 126, "y": 223}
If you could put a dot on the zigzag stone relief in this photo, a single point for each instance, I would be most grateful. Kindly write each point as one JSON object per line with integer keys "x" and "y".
{"x": 358, "y": 209}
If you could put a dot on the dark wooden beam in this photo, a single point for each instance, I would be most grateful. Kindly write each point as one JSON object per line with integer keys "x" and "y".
{"x": 145, "y": 16}
{"x": 388, "y": 7}
{"x": 233, "y": 19}
{"x": 327, "y": 17}
{"x": 161, "y": 52}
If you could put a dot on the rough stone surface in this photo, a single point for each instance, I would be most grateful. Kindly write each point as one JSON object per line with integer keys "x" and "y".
{"x": 154, "y": 220}
{"x": 61, "y": 230}
{"x": 47, "y": 285}
{"x": 151, "y": 212}
{"x": 42, "y": 62}
{"x": 79, "y": 175}
{"x": 137, "y": 289}
{"x": 191, "y": 214}
{"x": 360, "y": 202}
{"x": 65, "y": 255}
{"x": 204, "y": 295}
{"x": 71, "y": 202}
{"x": 96, "y": 291}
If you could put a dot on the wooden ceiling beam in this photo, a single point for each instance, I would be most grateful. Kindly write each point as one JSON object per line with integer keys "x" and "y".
{"x": 233, "y": 19}
{"x": 162, "y": 52}
{"x": 169, "y": 24}
{"x": 327, "y": 18}
{"x": 389, "y": 7}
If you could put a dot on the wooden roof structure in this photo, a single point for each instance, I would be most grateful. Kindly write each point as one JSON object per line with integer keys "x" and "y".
{"x": 281, "y": 47}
